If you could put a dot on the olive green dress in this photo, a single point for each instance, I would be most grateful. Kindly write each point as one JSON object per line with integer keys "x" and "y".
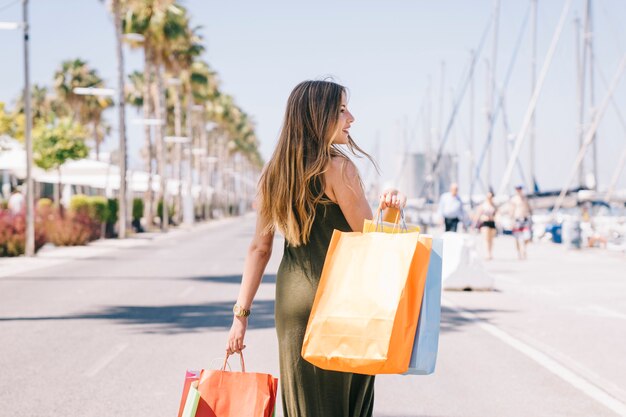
{"x": 308, "y": 391}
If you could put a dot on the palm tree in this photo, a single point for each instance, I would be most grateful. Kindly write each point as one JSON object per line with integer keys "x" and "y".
{"x": 118, "y": 9}
{"x": 87, "y": 109}
{"x": 184, "y": 51}
{"x": 161, "y": 22}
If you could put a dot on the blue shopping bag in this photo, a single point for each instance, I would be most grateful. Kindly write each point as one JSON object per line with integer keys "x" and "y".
{"x": 424, "y": 354}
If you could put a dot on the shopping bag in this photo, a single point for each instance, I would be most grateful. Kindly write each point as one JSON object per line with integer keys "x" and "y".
{"x": 365, "y": 305}
{"x": 424, "y": 355}
{"x": 236, "y": 394}
{"x": 191, "y": 403}
{"x": 190, "y": 377}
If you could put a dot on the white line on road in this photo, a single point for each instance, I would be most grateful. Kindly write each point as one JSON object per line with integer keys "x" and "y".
{"x": 106, "y": 360}
{"x": 548, "y": 363}
{"x": 607, "y": 312}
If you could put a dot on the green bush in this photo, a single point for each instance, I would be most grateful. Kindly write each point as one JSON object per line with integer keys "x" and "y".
{"x": 138, "y": 208}
{"x": 80, "y": 204}
{"x": 98, "y": 208}
{"x": 113, "y": 210}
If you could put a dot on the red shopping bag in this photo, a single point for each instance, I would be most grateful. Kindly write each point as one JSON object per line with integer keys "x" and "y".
{"x": 236, "y": 394}
{"x": 190, "y": 377}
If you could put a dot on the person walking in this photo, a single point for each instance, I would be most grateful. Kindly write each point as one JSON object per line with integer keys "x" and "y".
{"x": 521, "y": 216}
{"x": 451, "y": 208}
{"x": 485, "y": 220}
{"x": 309, "y": 188}
{"x": 16, "y": 203}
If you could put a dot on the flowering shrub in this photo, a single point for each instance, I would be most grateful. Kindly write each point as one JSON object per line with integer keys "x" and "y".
{"x": 13, "y": 234}
{"x": 72, "y": 229}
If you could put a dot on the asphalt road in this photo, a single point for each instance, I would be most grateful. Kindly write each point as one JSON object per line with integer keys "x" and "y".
{"x": 112, "y": 334}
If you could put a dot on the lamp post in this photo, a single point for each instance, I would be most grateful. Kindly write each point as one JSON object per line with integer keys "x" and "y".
{"x": 29, "y": 249}
{"x": 30, "y": 189}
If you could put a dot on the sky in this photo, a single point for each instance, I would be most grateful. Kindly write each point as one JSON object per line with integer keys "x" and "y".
{"x": 402, "y": 61}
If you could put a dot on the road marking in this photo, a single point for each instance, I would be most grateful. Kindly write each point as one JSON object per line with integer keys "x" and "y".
{"x": 607, "y": 312}
{"x": 105, "y": 360}
{"x": 186, "y": 292}
{"x": 548, "y": 363}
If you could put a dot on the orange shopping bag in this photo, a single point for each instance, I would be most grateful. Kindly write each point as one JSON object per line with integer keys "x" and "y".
{"x": 367, "y": 305}
{"x": 236, "y": 394}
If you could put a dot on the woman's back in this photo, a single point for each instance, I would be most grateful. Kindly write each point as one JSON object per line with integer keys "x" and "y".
{"x": 308, "y": 390}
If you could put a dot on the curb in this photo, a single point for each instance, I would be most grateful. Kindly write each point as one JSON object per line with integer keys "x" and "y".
{"x": 51, "y": 256}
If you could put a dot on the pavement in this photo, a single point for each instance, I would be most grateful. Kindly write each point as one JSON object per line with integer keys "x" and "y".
{"x": 109, "y": 329}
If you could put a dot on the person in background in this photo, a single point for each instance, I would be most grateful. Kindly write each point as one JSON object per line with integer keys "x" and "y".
{"x": 485, "y": 220}
{"x": 451, "y": 208}
{"x": 521, "y": 216}
{"x": 16, "y": 201}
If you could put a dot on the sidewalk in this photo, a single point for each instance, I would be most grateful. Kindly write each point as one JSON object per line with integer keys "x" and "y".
{"x": 50, "y": 255}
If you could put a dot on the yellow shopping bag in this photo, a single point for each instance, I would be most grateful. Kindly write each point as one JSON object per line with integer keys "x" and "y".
{"x": 366, "y": 308}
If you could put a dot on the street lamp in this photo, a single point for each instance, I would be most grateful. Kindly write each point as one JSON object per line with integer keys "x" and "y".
{"x": 176, "y": 139}
{"x": 29, "y": 249}
{"x": 148, "y": 122}
{"x": 11, "y": 25}
{"x": 94, "y": 91}
{"x": 134, "y": 37}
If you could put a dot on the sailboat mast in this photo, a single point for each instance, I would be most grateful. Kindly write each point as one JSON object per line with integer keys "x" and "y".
{"x": 581, "y": 64}
{"x": 492, "y": 84}
{"x": 589, "y": 37}
{"x": 533, "y": 76}
{"x": 470, "y": 162}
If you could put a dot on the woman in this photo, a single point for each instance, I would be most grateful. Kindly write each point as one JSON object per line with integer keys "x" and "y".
{"x": 486, "y": 219}
{"x": 309, "y": 188}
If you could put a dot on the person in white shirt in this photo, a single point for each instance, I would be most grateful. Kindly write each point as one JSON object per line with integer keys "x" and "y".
{"x": 16, "y": 202}
{"x": 451, "y": 208}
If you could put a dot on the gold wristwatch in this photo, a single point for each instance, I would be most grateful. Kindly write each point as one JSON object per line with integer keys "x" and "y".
{"x": 239, "y": 311}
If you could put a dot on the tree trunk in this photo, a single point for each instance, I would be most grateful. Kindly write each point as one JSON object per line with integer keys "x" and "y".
{"x": 59, "y": 193}
{"x": 96, "y": 140}
{"x": 160, "y": 142}
{"x": 117, "y": 15}
{"x": 149, "y": 208}
{"x": 178, "y": 131}
{"x": 190, "y": 135}
{"x": 202, "y": 166}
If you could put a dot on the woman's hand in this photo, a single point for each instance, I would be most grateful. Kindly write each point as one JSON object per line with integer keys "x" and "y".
{"x": 392, "y": 198}
{"x": 236, "y": 335}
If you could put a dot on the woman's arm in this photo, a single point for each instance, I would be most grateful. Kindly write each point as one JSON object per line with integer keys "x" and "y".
{"x": 259, "y": 253}
{"x": 344, "y": 187}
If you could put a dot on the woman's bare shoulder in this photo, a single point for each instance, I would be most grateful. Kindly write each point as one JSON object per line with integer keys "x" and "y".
{"x": 340, "y": 166}
{"x": 341, "y": 173}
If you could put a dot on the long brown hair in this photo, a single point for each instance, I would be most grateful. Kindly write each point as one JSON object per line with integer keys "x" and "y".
{"x": 293, "y": 182}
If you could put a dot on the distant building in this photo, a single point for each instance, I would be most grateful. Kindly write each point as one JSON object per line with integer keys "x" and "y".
{"x": 414, "y": 168}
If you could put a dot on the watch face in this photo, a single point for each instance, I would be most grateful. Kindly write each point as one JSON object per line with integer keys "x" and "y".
{"x": 240, "y": 311}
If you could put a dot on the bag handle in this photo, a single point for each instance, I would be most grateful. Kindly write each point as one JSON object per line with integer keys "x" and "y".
{"x": 399, "y": 223}
{"x": 243, "y": 365}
